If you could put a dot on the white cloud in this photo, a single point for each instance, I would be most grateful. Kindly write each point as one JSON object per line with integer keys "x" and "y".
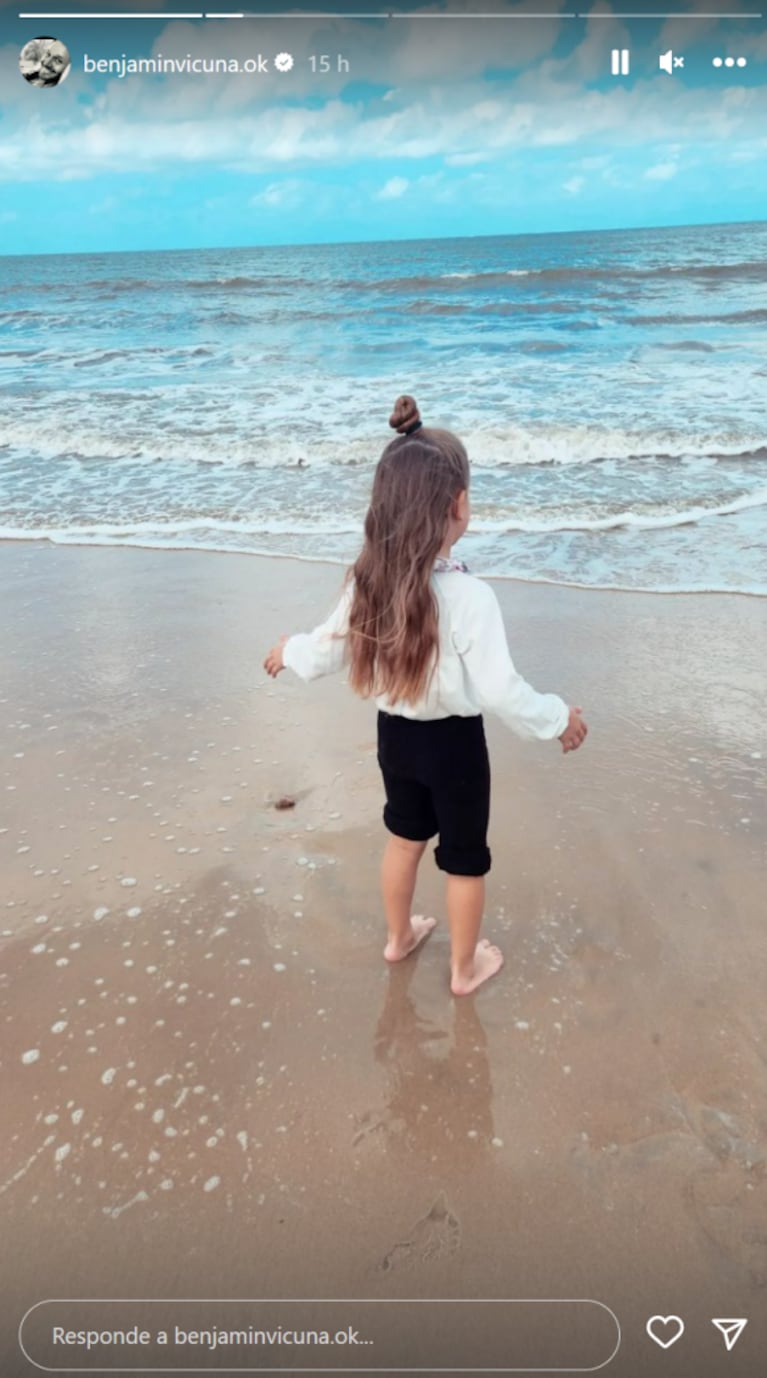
{"x": 590, "y": 60}
{"x": 236, "y": 125}
{"x": 393, "y": 189}
{"x": 465, "y": 159}
{"x": 286, "y": 195}
{"x": 573, "y": 185}
{"x": 681, "y": 35}
{"x": 756, "y": 152}
{"x": 341, "y": 134}
{"x": 662, "y": 172}
{"x": 434, "y": 47}
{"x": 406, "y": 53}
{"x": 752, "y": 46}
{"x": 104, "y": 207}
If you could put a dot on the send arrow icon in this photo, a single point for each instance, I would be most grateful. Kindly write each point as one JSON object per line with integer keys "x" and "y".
{"x": 731, "y": 1331}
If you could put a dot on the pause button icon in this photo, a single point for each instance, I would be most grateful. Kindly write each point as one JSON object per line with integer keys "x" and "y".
{"x": 620, "y": 62}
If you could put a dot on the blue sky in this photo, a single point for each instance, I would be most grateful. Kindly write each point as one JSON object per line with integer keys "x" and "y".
{"x": 441, "y": 127}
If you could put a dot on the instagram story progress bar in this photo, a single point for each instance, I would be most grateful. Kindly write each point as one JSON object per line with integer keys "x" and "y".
{"x": 313, "y": 15}
{"x": 622, "y": 58}
{"x": 410, "y": 15}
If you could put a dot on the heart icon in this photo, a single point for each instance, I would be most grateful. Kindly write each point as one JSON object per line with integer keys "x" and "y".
{"x": 665, "y": 1330}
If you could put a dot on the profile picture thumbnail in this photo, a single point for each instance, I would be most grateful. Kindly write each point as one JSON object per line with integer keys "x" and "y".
{"x": 44, "y": 61}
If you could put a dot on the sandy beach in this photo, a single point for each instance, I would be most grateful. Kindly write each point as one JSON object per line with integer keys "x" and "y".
{"x": 214, "y": 1085}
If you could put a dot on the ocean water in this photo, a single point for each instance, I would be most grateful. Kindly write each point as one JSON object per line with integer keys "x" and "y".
{"x": 611, "y": 389}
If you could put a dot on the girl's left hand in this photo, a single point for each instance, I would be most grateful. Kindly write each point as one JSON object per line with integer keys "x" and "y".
{"x": 274, "y": 662}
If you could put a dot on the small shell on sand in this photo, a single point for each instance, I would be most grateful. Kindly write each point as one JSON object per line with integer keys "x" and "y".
{"x": 285, "y": 802}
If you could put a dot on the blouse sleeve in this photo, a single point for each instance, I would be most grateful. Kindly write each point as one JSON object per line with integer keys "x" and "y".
{"x": 480, "y": 640}
{"x": 321, "y": 652}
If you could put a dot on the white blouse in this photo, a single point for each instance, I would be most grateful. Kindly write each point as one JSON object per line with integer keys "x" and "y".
{"x": 475, "y": 672}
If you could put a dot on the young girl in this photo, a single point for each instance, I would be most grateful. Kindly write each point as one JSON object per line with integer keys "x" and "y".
{"x": 427, "y": 639}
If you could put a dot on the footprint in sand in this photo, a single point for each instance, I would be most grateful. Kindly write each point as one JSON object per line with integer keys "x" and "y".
{"x": 730, "y": 1203}
{"x": 726, "y": 1136}
{"x": 367, "y": 1124}
{"x": 436, "y": 1235}
{"x": 734, "y": 1217}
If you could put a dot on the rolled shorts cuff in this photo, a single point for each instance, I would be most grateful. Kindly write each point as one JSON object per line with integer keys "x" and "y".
{"x": 456, "y": 862}
{"x": 412, "y": 832}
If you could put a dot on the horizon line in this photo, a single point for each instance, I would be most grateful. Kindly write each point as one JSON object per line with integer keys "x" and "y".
{"x": 417, "y": 239}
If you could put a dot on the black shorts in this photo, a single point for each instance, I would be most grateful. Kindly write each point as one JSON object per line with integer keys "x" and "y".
{"x": 437, "y": 780}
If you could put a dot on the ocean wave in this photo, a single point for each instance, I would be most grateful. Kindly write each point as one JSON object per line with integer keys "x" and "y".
{"x": 639, "y": 521}
{"x": 273, "y": 448}
{"x": 215, "y": 447}
{"x": 509, "y": 273}
{"x": 297, "y": 525}
{"x": 522, "y": 308}
{"x": 281, "y": 526}
{"x": 686, "y": 346}
{"x": 106, "y": 288}
{"x": 573, "y": 445}
{"x": 746, "y": 272}
{"x": 94, "y": 358}
{"x": 754, "y": 316}
{"x": 542, "y": 347}
{"x": 169, "y": 543}
{"x": 271, "y": 283}
{"x": 91, "y": 358}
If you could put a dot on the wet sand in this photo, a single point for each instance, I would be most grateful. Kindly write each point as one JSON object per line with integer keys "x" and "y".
{"x": 215, "y": 1087}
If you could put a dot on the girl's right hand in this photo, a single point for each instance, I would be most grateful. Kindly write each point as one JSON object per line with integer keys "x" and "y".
{"x": 274, "y": 661}
{"x": 575, "y": 732}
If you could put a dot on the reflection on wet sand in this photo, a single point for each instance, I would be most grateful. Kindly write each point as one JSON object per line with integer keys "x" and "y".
{"x": 438, "y": 1105}
{"x": 439, "y": 1090}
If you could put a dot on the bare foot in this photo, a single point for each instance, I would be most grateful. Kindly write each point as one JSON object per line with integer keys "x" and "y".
{"x": 420, "y": 929}
{"x": 487, "y": 961}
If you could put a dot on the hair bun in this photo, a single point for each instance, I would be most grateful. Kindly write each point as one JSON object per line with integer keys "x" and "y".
{"x": 406, "y": 416}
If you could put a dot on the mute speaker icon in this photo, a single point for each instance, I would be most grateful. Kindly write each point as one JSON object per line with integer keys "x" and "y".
{"x": 668, "y": 61}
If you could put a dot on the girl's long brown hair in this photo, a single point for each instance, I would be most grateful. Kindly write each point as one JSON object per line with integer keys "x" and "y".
{"x": 393, "y": 638}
